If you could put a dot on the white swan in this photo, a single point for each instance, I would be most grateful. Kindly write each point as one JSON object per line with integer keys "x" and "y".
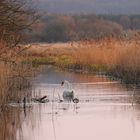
{"x": 68, "y": 93}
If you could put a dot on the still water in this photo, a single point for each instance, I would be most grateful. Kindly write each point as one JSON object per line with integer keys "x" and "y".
{"x": 107, "y": 110}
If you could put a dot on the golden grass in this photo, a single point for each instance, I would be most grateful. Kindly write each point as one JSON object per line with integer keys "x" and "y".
{"x": 111, "y": 52}
{"x": 14, "y": 75}
{"x": 95, "y": 52}
{"x": 14, "y": 80}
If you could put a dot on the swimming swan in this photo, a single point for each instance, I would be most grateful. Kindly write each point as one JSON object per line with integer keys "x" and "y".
{"x": 68, "y": 93}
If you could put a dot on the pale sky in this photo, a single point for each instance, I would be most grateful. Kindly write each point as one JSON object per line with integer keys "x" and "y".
{"x": 90, "y": 6}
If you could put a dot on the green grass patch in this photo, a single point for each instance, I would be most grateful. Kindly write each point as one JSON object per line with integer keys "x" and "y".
{"x": 43, "y": 61}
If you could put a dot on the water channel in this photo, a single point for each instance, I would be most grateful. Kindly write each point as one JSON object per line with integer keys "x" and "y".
{"x": 107, "y": 110}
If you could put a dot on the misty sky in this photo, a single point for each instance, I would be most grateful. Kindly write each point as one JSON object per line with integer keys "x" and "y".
{"x": 90, "y": 6}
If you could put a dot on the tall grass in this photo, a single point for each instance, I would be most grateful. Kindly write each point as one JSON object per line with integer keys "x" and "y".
{"x": 15, "y": 74}
{"x": 121, "y": 58}
{"x": 118, "y": 57}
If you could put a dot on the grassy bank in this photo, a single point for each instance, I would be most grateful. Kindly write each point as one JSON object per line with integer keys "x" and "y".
{"x": 115, "y": 57}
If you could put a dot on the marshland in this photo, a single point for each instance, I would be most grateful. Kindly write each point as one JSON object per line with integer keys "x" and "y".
{"x": 97, "y": 55}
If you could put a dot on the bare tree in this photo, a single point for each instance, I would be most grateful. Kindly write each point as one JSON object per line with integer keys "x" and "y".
{"x": 16, "y": 16}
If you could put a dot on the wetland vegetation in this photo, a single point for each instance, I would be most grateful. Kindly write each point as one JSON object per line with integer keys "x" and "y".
{"x": 93, "y": 52}
{"x": 110, "y": 56}
{"x": 16, "y": 16}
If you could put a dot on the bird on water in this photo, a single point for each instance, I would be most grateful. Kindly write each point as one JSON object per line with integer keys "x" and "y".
{"x": 68, "y": 93}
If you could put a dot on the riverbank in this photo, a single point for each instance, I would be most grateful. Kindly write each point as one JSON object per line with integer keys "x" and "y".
{"x": 113, "y": 57}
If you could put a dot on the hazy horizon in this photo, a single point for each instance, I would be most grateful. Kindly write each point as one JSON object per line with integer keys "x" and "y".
{"x": 89, "y": 6}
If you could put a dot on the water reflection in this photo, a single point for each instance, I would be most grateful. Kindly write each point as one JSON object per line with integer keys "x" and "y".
{"x": 107, "y": 110}
{"x": 9, "y": 125}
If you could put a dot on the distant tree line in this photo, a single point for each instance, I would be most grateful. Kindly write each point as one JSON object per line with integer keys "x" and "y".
{"x": 126, "y": 21}
{"x": 63, "y": 28}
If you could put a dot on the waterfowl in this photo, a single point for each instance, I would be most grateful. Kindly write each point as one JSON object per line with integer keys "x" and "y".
{"x": 41, "y": 100}
{"x": 68, "y": 93}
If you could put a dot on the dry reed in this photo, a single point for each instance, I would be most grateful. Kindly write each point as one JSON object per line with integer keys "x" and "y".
{"x": 121, "y": 56}
{"x": 15, "y": 73}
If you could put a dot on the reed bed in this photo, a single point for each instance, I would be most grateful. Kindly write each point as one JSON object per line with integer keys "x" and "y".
{"x": 16, "y": 71}
{"x": 117, "y": 57}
